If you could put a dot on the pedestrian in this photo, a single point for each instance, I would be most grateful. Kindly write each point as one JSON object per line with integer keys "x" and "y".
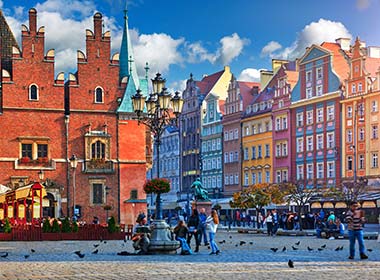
{"x": 194, "y": 224}
{"x": 181, "y": 232}
{"x": 355, "y": 219}
{"x": 276, "y": 219}
{"x": 269, "y": 222}
{"x": 202, "y": 229}
{"x": 260, "y": 221}
{"x": 212, "y": 225}
{"x": 141, "y": 235}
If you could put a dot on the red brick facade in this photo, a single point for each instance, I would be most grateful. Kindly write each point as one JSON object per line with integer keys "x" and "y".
{"x": 56, "y": 119}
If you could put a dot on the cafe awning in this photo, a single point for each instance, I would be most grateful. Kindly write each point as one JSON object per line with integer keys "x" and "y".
{"x": 25, "y": 192}
{"x": 2, "y": 198}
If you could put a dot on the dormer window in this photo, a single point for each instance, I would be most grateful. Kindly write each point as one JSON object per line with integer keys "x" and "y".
{"x": 33, "y": 92}
{"x": 99, "y": 95}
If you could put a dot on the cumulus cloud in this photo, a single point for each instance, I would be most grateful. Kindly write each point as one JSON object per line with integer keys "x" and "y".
{"x": 250, "y": 75}
{"x": 177, "y": 86}
{"x": 313, "y": 33}
{"x": 362, "y": 4}
{"x": 67, "y": 8}
{"x": 231, "y": 47}
{"x": 270, "y": 48}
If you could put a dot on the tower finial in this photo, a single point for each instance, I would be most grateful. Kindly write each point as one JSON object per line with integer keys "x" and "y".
{"x": 146, "y": 70}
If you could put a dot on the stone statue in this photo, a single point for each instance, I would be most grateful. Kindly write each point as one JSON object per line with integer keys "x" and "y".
{"x": 200, "y": 193}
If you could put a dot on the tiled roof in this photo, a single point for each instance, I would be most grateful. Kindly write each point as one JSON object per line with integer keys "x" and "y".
{"x": 208, "y": 82}
{"x": 221, "y": 106}
{"x": 372, "y": 65}
{"x": 246, "y": 92}
{"x": 340, "y": 64}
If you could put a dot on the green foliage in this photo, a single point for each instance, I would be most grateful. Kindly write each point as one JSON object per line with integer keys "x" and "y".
{"x": 112, "y": 227}
{"x": 66, "y": 227}
{"x": 55, "y": 228}
{"x": 75, "y": 227}
{"x": 46, "y": 227}
{"x": 7, "y": 226}
{"x": 217, "y": 207}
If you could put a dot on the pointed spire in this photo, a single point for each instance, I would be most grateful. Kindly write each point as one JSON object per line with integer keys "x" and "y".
{"x": 127, "y": 61}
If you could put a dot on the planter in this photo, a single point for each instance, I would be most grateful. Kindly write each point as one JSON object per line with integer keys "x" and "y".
{"x": 51, "y": 236}
{"x": 5, "y": 236}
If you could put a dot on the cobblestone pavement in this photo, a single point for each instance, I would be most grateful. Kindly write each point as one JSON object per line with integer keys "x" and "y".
{"x": 252, "y": 260}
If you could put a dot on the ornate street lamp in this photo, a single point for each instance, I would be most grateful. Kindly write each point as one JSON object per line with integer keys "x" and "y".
{"x": 162, "y": 109}
{"x": 41, "y": 175}
{"x": 73, "y": 165}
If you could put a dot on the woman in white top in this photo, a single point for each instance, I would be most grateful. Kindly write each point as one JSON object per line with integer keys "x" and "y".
{"x": 212, "y": 222}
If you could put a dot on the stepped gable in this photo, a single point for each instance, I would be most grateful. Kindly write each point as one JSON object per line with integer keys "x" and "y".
{"x": 7, "y": 42}
{"x": 339, "y": 62}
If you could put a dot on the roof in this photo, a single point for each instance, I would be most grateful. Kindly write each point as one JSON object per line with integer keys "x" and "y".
{"x": 339, "y": 62}
{"x": 221, "y": 106}
{"x": 208, "y": 82}
{"x": 247, "y": 93}
{"x": 372, "y": 65}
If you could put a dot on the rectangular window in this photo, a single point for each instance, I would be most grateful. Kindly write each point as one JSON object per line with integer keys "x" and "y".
{"x": 375, "y": 133}
{"x": 353, "y": 88}
{"x": 231, "y": 179}
{"x": 97, "y": 193}
{"x": 284, "y": 123}
{"x": 284, "y": 149}
{"x": 361, "y": 134}
{"x": 308, "y": 76}
{"x": 319, "y": 170}
{"x": 330, "y": 169}
{"x": 253, "y": 178}
{"x": 360, "y": 87}
{"x": 299, "y": 119}
{"x": 226, "y": 136}
{"x": 267, "y": 150}
{"x": 285, "y": 175}
{"x": 246, "y": 130}
{"x": 42, "y": 150}
{"x": 309, "y": 117}
{"x": 213, "y": 144}
{"x": 309, "y": 143}
{"x": 278, "y": 150}
{"x": 361, "y": 161}
{"x": 226, "y": 181}
{"x": 254, "y": 131}
{"x": 231, "y": 135}
{"x": 267, "y": 177}
{"x": 259, "y": 177}
{"x": 320, "y": 115}
{"x": 231, "y": 157}
{"x": 254, "y": 152}
{"x": 26, "y": 150}
{"x": 278, "y": 177}
{"x": 218, "y": 144}
{"x": 319, "y": 73}
{"x": 259, "y": 128}
{"x": 299, "y": 145}
{"x": 225, "y": 157}
{"x": 236, "y": 179}
{"x": 236, "y": 157}
{"x": 349, "y": 112}
{"x": 374, "y": 106}
{"x": 218, "y": 163}
{"x": 246, "y": 179}
{"x": 349, "y": 163}
{"x": 310, "y": 173}
{"x": 278, "y": 123}
{"x": 204, "y": 147}
{"x": 309, "y": 93}
{"x": 330, "y": 140}
{"x": 319, "y": 141}
{"x": 319, "y": 90}
{"x": 213, "y": 165}
{"x": 299, "y": 172}
{"x": 330, "y": 113}
{"x": 246, "y": 154}
{"x": 349, "y": 135}
{"x": 375, "y": 160}
{"x": 236, "y": 133}
{"x": 259, "y": 151}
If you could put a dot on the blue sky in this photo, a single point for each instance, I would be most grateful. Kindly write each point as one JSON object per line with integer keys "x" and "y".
{"x": 180, "y": 37}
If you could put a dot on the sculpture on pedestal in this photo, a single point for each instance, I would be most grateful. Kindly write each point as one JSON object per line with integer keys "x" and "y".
{"x": 200, "y": 193}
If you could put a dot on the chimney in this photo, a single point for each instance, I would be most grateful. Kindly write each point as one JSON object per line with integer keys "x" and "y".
{"x": 98, "y": 25}
{"x": 32, "y": 20}
{"x": 344, "y": 43}
{"x": 373, "y": 52}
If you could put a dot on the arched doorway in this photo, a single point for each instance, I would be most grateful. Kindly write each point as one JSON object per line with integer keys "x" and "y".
{"x": 48, "y": 204}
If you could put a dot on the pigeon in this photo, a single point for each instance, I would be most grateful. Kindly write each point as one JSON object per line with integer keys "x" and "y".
{"x": 310, "y": 249}
{"x": 79, "y": 254}
{"x": 242, "y": 243}
{"x": 32, "y": 250}
{"x": 274, "y": 249}
{"x": 320, "y": 249}
{"x": 298, "y": 243}
{"x": 223, "y": 241}
{"x": 95, "y": 252}
{"x": 251, "y": 243}
{"x": 208, "y": 247}
{"x": 105, "y": 242}
{"x": 337, "y": 248}
{"x": 369, "y": 250}
{"x": 96, "y": 245}
{"x": 284, "y": 249}
{"x": 5, "y": 255}
{"x": 236, "y": 245}
{"x": 341, "y": 248}
{"x": 290, "y": 264}
{"x": 323, "y": 246}
{"x": 26, "y": 256}
{"x": 230, "y": 236}
{"x": 294, "y": 248}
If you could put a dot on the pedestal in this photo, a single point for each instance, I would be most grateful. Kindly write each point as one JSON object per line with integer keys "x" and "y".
{"x": 202, "y": 204}
{"x": 161, "y": 241}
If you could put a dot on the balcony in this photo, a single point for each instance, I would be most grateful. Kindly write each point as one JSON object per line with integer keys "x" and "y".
{"x": 39, "y": 163}
{"x": 98, "y": 166}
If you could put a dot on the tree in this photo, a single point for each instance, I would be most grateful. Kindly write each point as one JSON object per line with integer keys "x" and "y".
{"x": 257, "y": 196}
{"x": 349, "y": 191}
{"x": 298, "y": 194}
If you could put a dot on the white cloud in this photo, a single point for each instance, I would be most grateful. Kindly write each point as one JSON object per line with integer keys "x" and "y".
{"x": 313, "y": 33}
{"x": 250, "y": 75}
{"x": 270, "y": 48}
{"x": 177, "y": 86}
{"x": 231, "y": 47}
{"x": 362, "y": 4}
{"x": 67, "y": 8}
{"x": 1, "y": 4}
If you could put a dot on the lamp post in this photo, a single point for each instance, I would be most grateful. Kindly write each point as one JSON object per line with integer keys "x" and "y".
{"x": 160, "y": 108}
{"x": 73, "y": 165}
{"x": 41, "y": 175}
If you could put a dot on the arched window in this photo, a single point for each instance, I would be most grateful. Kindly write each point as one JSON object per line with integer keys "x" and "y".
{"x": 33, "y": 92}
{"x": 98, "y": 95}
{"x": 98, "y": 150}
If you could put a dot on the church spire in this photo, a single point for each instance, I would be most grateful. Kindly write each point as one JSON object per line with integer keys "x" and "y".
{"x": 127, "y": 60}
